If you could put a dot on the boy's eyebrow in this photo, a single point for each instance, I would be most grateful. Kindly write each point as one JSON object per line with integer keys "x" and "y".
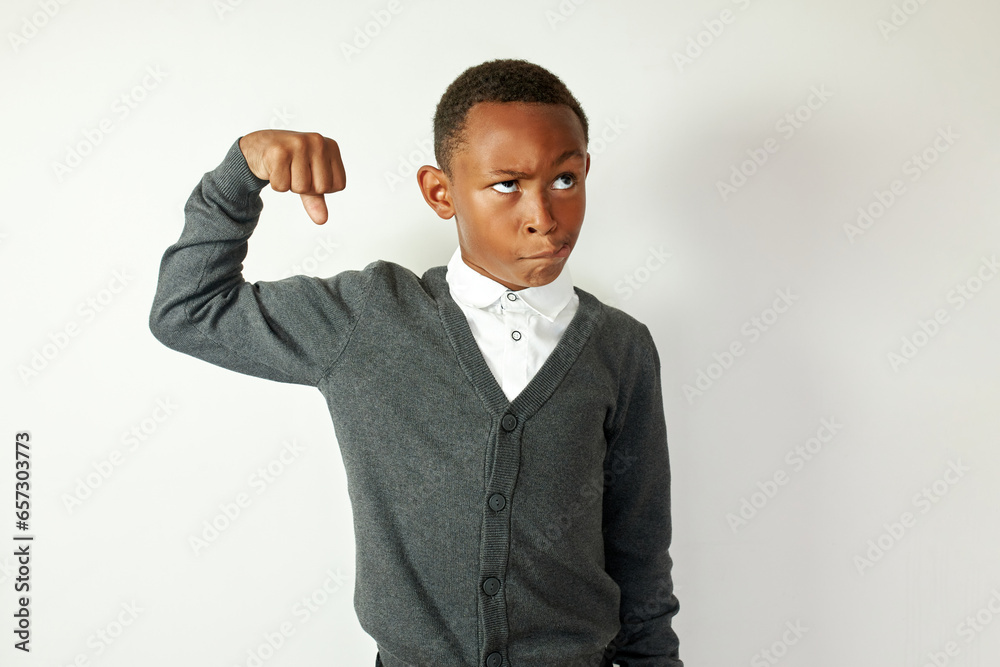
{"x": 573, "y": 152}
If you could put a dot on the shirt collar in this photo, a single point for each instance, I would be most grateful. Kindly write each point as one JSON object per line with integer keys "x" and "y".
{"x": 472, "y": 288}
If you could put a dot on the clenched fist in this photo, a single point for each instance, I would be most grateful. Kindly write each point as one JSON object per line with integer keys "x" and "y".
{"x": 306, "y": 163}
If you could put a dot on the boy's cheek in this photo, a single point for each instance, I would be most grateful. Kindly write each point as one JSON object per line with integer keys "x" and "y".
{"x": 571, "y": 213}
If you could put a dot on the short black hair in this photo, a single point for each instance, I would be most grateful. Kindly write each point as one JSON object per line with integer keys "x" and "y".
{"x": 502, "y": 80}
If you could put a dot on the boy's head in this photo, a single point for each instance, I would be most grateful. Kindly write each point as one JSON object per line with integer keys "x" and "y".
{"x": 512, "y": 144}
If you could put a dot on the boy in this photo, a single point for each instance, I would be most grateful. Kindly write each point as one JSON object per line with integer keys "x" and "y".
{"x": 502, "y": 431}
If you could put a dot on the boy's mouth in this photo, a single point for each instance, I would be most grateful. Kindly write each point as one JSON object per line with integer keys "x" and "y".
{"x": 562, "y": 251}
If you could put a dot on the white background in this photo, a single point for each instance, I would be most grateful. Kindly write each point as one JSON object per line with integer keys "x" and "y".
{"x": 665, "y": 132}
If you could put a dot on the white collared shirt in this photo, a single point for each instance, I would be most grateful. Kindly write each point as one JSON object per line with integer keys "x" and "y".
{"x": 516, "y": 331}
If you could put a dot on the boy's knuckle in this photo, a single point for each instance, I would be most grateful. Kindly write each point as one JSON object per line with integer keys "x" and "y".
{"x": 331, "y": 151}
{"x": 279, "y": 153}
{"x": 297, "y": 142}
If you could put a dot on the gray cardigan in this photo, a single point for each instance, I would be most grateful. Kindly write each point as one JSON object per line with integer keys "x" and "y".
{"x": 531, "y": 533}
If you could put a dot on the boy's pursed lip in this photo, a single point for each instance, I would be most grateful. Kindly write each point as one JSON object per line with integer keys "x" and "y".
{"x": 562, "y": 251}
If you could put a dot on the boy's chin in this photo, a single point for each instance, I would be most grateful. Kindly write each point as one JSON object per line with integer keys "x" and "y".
{"x": 541, "y": 278}
{"x": 521, "y": 277}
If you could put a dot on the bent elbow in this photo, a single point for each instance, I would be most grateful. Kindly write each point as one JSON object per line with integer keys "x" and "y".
{"x": 164, "y": 324}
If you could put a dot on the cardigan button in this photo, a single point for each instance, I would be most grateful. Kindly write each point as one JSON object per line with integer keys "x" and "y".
{"x": 494, "y": 659}
{"x": 509, "y": 422}
{"x": 497, "y": 502}
{"x": 491, "y": 586}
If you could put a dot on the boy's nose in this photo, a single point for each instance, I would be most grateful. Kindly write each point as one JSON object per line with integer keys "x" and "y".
{"x": 538, "y": 217}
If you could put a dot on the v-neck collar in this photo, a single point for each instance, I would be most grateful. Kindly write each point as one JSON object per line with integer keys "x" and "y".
{"x": 470, "y": 357}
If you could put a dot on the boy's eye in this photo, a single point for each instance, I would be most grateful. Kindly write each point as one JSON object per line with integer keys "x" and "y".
{"x": 567, "y": 179}
{"x": 503, "y": 185}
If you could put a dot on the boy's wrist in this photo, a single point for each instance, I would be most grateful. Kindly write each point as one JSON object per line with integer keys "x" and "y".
{"x": 233, "y": 175}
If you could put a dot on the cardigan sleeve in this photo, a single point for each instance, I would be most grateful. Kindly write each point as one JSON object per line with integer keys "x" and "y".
{"x": 289, "y": 330}
{"x": 637, "y": 526}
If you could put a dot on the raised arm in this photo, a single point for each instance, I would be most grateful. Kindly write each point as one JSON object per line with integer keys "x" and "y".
{"x": 290, "y": 330}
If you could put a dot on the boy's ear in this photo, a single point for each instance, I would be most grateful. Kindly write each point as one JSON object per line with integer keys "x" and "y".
{"x": 435, "y": 187}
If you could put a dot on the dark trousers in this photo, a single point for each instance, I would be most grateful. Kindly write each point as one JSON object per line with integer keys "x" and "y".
{"x": 378, "y": 660}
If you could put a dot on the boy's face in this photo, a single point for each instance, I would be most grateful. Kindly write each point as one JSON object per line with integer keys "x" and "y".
{"x": 516, "y": 190}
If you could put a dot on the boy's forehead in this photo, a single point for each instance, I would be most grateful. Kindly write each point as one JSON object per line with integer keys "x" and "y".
{"x": 494, "y": 130}
{"x": 488, "y": 117}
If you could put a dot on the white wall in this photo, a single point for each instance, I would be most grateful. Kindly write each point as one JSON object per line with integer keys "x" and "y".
{"x": 672, "y": 131}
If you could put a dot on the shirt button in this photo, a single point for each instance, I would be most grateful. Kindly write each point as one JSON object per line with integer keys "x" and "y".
{"x": 493, "y": 659}
{"x": 516, "y": 335}
{"x": 491, "y": 586}
{"x": 497, "y": 502}
{"x": 511, "y": 296}
{"x": 509, "y": 422}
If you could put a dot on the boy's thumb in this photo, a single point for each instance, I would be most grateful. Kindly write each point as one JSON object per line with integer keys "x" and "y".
{"x": 316, "y": 207}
